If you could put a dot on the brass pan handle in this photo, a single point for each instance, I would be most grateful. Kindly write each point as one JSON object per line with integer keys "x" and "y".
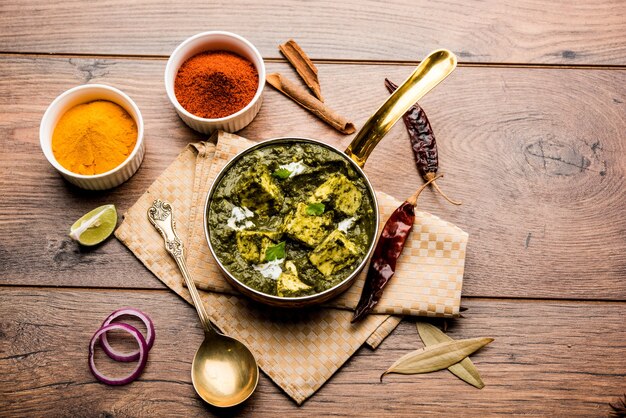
{"x": 431, "y": 71}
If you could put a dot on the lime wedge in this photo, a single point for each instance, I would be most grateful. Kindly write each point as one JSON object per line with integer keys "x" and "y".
{"x": 95, "y": 226}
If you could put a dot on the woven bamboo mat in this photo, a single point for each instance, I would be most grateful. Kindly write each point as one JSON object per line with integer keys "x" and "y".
{"x": 298, "y": 349}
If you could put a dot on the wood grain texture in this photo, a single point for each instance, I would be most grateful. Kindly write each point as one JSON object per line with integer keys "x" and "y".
{"x": 548, "y": 359}
{"x": 488, "y": 31}
{"x": 537, "y": 155}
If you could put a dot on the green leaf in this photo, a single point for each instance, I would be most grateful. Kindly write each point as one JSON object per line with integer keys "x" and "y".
{"x": 281, "y": 173}
{"x": 465, "y": 369}
{"x": 315, "y": 209}
{"x": 275, "y": 252}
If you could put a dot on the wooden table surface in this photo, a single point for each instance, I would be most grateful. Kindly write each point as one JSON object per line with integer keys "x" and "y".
{"x": 532, "y": 136}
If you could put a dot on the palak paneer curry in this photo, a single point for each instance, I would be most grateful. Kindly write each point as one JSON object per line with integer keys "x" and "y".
{"x": 291, "y": 219}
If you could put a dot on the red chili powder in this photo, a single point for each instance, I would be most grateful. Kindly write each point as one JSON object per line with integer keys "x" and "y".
{"x": 215, "y": 84}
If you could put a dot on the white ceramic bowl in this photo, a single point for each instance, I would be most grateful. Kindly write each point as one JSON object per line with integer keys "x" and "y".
{"x": 83, "y": 94}
{"x": 213, "y": 41}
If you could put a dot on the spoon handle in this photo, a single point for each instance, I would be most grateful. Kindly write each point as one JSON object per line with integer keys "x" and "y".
{"x": 160, "y": 215}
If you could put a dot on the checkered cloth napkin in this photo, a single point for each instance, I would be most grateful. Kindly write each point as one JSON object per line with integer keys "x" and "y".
{"x": 298, "y": 349}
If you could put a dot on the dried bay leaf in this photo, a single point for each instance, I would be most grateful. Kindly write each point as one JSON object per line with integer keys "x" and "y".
{"x": 436, "y": 357}
{"x": 465, "y": 369}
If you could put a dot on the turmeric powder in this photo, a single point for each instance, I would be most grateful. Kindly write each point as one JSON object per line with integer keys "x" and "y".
{"x": 93, "y": 138}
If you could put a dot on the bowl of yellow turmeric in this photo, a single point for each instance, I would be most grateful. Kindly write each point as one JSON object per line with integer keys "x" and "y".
{"x": 93, "y": 136}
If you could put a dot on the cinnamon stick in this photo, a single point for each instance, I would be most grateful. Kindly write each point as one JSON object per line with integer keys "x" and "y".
{"x": 310, "y": 103}
{"x": 303, "y": 65}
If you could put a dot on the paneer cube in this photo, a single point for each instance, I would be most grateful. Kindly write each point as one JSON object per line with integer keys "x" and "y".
{"x": 258, "y": 191}
{"x": 252, "y": 244}
{"x": 289, "y": 285}
{"x": 308, "y": 229}
{"x": 341, "y": 191}
{"x": 333, "y": 254}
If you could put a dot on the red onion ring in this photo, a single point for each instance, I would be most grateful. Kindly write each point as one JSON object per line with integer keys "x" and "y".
{"x": 143, "y": 354}
{"x": 133, "y": 356}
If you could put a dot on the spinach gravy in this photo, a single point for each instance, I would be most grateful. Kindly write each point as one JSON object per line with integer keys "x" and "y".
{"x": 291, "y": 219}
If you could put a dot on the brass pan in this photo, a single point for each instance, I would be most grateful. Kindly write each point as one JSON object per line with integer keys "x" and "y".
{"x": 428, "y": 74}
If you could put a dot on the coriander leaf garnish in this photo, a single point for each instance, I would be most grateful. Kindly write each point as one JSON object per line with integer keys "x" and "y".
{"x": 281, "y": 173}
{"x": 315, "y": 209}
{"x": 275, "y": 252}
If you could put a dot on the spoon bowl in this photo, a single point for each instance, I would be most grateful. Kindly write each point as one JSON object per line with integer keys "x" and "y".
{"x": 224, "y": 372}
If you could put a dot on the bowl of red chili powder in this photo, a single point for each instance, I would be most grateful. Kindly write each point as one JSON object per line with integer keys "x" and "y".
{"x": 215, "y": 80}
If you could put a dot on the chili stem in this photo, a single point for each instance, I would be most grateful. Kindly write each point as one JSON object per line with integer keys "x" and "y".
{"x": 454, "y": 202}
{"x": 413, "y": 199}
{"x": 432, "y": 176}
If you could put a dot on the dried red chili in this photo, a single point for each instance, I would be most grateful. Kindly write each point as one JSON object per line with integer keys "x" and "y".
{"x": 422, "y": 140}
{"x": 388, "y": 249}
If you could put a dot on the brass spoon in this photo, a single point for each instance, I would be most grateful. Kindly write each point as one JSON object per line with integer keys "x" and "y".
{"x": 224, "y": 372}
